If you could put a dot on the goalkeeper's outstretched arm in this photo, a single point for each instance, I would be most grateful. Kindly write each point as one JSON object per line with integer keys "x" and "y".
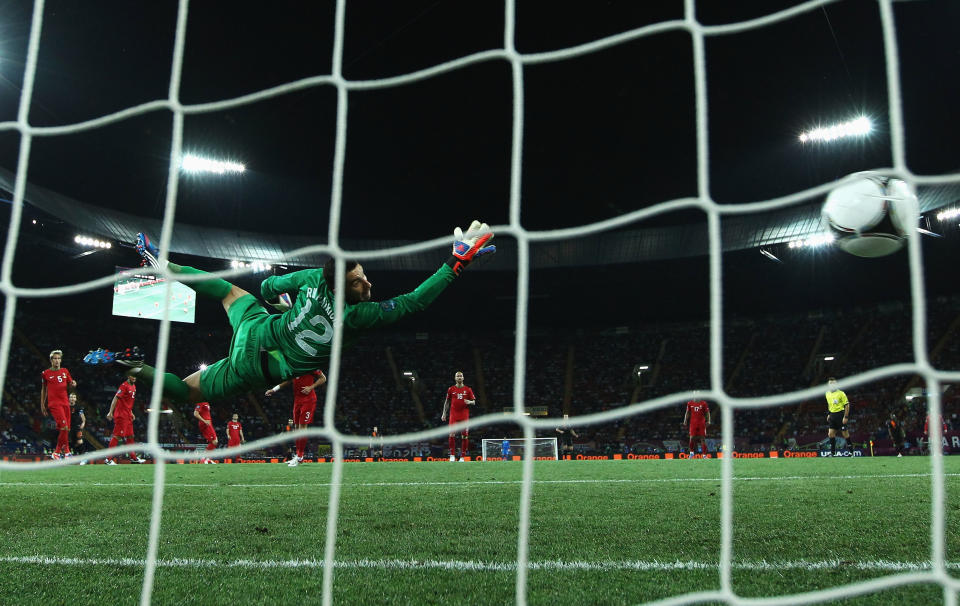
{"x": 465, "y": 248}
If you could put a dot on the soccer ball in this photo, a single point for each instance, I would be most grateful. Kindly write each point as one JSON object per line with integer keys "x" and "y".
{"x": 871, "y": 216}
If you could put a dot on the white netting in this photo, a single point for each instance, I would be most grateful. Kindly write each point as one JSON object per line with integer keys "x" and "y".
{"x": 934, "y": 378}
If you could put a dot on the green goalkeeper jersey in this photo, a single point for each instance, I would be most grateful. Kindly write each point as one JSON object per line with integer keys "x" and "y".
{"x": 303, "y": 335}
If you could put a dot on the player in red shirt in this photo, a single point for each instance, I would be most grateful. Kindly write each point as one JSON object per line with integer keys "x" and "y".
{"x": 202, "y": 413}
{"x": 698, "y": 414}
{"x": 943, "y": 432}
{"x": 235, "y": 432}
{"x": 121, "y": 413}
{"x": 55, "y": 401}
{"x": 459, "y": 397}
{"x": 926, "y": 426}
{"x": 304, "y": 406}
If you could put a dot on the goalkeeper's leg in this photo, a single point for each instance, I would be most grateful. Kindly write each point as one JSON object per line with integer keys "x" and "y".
{"x": 186, "y": 391}
{"x": 215, "y": 288}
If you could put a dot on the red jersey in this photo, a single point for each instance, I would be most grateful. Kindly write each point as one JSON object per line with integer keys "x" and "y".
{"x": 458, "y": 397}
{"x": 56, "y": 382}
{"x": 233, "y": 430}
{"x": 305, "y": 381}
{"x": 125, "y": 395}
{"x": 698, "y": 412}
{"x": 926, "y": 425}
{"x": 204, "y": 409}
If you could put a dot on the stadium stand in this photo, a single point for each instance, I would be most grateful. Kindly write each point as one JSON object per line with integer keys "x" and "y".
{"x": 578, "y": 373}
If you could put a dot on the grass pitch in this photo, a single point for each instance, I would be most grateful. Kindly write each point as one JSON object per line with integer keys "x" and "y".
{"x": 617, "y": 532}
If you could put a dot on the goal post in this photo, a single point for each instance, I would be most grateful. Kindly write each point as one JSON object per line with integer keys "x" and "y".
{"x": 507, "y": 448}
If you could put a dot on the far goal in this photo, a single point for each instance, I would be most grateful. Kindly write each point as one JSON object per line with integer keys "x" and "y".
{"x": 512, "y": 449}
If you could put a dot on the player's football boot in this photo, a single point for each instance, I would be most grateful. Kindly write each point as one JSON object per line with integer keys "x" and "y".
{"x": 55, "y": 456}
{"x": 138, "y": 459}
{"x": 294, "y": 461}
{"x": 130, "y": 357}
{"x": 453, "y": 459}
{"x": 147, "y": 250}
{"x": 110, "y": 462}
{"x": 100, "y": 356}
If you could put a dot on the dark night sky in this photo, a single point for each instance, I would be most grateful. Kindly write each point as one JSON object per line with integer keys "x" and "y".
{"x": 604, "y": 134}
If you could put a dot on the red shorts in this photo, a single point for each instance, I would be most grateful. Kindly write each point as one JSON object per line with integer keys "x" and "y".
{"x": 231, "y": 443}
{"x": 303, "y": 412}
{"x": 60, "y": 414}
{"x": 459, "y": 419}
{"x": 207, "y": 431}
{"x": 698, "y": 431}
{"x": 122, "y": 427}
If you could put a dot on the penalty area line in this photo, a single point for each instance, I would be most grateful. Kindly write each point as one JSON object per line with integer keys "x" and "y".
{"x": 473, "y": 565}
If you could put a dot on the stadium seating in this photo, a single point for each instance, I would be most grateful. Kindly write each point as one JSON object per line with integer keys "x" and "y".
{"x": 762, "y": 356}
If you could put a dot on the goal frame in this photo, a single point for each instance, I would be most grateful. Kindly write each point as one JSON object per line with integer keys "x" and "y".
{"x": 551, "y": 441}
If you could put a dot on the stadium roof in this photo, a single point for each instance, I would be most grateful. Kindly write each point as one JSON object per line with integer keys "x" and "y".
{"x": 606, "y": 134}
{"x": 622, "y": 246}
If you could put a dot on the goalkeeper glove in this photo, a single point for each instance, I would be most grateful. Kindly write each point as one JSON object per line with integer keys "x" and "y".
{"x": 470, "y": 245}
{"x": 282, "y": 303}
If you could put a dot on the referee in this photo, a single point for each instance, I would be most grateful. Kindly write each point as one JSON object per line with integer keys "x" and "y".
{"x": 839, "y": 413}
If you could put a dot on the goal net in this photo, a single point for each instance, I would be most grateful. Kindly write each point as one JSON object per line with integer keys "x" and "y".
{"x": 937, "y": 572}
{"x": 515, "y": 449}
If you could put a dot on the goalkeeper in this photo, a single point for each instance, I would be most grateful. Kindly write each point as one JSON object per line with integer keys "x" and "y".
{"x": 269, "y": 348}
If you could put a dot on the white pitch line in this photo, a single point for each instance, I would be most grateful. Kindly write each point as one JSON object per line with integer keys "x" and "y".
{"x": 481, "y": 482}
{"x": 473, "y": 565}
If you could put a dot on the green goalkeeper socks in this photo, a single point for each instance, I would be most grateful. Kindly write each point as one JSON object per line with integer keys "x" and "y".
{"x": 214, "y": 287}
{"x": 173, "y": 386}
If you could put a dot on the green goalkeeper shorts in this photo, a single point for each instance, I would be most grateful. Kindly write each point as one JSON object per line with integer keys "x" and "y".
{"x": 243, "y": 369}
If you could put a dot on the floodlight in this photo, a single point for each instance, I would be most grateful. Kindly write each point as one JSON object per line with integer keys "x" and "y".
{"x": 257, "y": 266}
{"x": 858, "y": 127}
{"x": 196, "y": 164}
{"x": 813, "y": 241}
{"x": 828, "y": 358}
{"x": 203, "y": 366}
{"x": 91, "y": 242}
{"x": 950, "y": 213}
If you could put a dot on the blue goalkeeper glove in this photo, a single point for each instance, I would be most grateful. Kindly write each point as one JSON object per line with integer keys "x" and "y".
{"x": 468, "y": 245}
